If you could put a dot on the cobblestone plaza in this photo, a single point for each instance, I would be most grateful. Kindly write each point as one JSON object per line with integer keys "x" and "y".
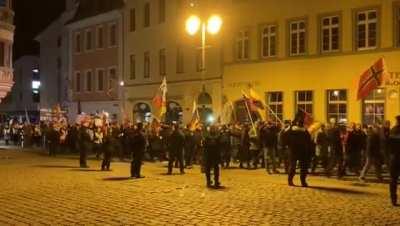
{"x": 38, "y": 190}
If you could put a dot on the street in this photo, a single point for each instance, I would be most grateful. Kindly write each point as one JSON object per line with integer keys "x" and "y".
{"x": 39, "y": 190}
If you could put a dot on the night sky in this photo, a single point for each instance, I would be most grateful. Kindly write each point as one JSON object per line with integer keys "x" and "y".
{"x": 31, "y": 17}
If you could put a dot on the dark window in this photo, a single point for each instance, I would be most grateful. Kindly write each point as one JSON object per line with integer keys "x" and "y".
{"x": 78, "y": 41}
{"x": 147, "y": 14}
{"x": 366, "y": 29}
{"x": 113, "y": 35}
{"x": 268, "y": 41}
{"x": 132, "y": 67}
{"x": 161, "y": 8}
{"x": 100, "y": 37}
{"x": 100, "y": 80}
{"x": 89, "y": 81}
{"x": 89, "y": 38}
{"x": 298, "y": 38}
{"x": 78, "y": 82}
{"x": 180, "y": 60}
{"x": 163, "y": 62}
{"x": 59, "y": 41}
{"x": 2, "y": 54}
{"x": 330, "y": 34}
{"x": 132, "y": 20}
{"x": 146, "y": 65}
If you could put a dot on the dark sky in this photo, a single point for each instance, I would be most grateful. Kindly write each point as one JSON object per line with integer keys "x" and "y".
{"x": 31, "y": 17}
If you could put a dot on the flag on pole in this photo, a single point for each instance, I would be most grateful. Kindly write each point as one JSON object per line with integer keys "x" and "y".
{"x": 160, "y": 99}
{"x": 250, "y": 102}
{"x": 371, "y": 79}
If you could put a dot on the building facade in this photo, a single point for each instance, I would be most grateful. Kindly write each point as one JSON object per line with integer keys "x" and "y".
{"x": 157, "y": 46}
{"x": 54, "y": 60}
{"x": 309, "y": 55}
{"x": 95, "y": 56}
{"x": 6, "y": 43}
{"x": 24, "y": 96}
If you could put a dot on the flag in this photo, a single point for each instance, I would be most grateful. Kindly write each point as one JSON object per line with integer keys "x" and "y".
{"x": 160, "y": 99}
{"x": 305, "y": 117}
{"x": 371, "y": 79}
{"x": 257, "y": 98}
{"x": 249, "y": 101}
{"x": 195, "y": 122}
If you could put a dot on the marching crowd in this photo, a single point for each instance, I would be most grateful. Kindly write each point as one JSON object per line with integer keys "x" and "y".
{"x": 332, "y": 149}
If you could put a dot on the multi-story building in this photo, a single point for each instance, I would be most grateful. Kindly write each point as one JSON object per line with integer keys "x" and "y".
{"x": 157, "y": 46}
{"x": 95, "y": 57}
{"x": 54, "y": 60}
{"x": 25, "y": 94}
{"x": 6, "y": 42}
{"x": 310, "y": 54}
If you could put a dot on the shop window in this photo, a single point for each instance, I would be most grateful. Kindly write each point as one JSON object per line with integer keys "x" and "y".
{"x": 337, "y": 105}
{"x": 374, "y": 107}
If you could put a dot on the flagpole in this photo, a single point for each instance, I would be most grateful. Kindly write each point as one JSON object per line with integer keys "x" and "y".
{"x": 251, "y": 118}
{"x": 274, "y": 114}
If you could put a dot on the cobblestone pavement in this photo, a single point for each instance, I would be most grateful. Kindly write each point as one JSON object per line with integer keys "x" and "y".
{"x": 39, "y": 190}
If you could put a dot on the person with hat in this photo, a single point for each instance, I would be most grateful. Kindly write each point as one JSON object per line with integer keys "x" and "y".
{"x": 394, "y": 147}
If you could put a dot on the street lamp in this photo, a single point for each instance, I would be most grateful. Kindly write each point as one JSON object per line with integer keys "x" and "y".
{"x": 122, "y": 99}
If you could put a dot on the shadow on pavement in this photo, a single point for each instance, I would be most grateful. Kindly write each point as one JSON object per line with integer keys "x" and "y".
{"x": 87, "y": 170}
{"x": 117, "y": 178}
{"x": 339, "y": 190}
{"x": 56, "y": 166}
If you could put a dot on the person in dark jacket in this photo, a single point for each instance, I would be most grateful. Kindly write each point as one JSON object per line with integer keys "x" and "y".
{"x": 394, "y": 148}
{"x": 212, "y": 156}
{"x": 269, "y": 137}
{"x": 137, "y": 143}
{"x": 300, "y": 145}
{"x": 355, "y": 144}
{"x": 244, "y": 155}
{"x": 373, "y": 153}
{"x": 85, "y": 142}
{"x": 175, "y": 143}
{"x": 322, "y": 155}
{"x": 53, "y": 140}
{"x": 226, "y": 147}
{"x": 189, "y": 147}
{"x": 335, "y": 144}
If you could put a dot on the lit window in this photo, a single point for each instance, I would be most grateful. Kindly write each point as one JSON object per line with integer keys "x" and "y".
{"x": 367, "y": 25}
{"x": 35, "y": 84}
{"x": 268, "y": 41}
{"x": 243, "y": 45}
{"x": 337, "y": 105}
{"x": 275, "y": 103}
{"x": 304, "y": 101}
{"x": 297, "y": 38}
{"x": 330, "y": 34}
{"x": 374, "y": 107}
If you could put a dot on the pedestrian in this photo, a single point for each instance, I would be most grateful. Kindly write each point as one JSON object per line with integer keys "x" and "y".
{"x": 269, "y": 138}
{"x": 244, "y": 155}
{"x": 299, "y": 142}
{"x": 53, "y": 139}
{"x": 108, "y": 142}
{"x": 226, "y": 147}
{"x": 175, "y": 144}
{"x": 85, "y": 143}
{"x": 212, "y": 156}
{"x": 98, "y": 141}
{"x": 336, "y": 148}
{"x": 322, "y": 152}
{"x": 189, "y": 147}
{"x": 394, "y": 148}
{"x": 355, "y": 144}
{"x": 374, "y": 156}
{"x": 7, "y": 134}
{"x": 137, "y": 143}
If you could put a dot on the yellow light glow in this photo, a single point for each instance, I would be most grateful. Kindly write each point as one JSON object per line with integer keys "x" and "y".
{"x": 193, "y": 25}
{"x": 214, "y": 24}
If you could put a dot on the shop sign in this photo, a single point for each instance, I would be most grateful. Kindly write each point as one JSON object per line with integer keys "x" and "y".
{"x": 244, "y": 84}
{"x": 393, "y": 79}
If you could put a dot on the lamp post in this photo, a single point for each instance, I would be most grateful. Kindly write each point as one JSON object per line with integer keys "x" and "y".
{"x": 122, "y": 99}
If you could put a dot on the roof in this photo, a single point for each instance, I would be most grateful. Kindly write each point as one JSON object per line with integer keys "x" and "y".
{"x": 91, "y": 8}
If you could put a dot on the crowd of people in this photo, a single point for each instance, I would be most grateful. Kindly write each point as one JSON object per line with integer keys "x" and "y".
{"x": 332, "y": 149}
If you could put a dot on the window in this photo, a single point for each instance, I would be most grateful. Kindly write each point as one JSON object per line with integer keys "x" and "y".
{"x": 113, "y": 35}
{"x": 146, "y": 65}
{"x": 337, "y": 105}
{"x": 366, "y": 31}
{"x": 146, "y": 14}
{"x": 374, "y": 107}
{"x": 304, "y": 101}
{"x": 180, "y": 60}
{"x": 100, "y": 37}
{"x": 297, "y": 37}
{"x": 268, "y": 41}
{"x": 89, "y": 81}
{"x": 163, "y": 62}
{"x": 132, "y": 67}
{"x": 89, "y": 38}
{"x": 77, "y": 82}
{"x": 161, "y": 8}
{"x": 59, "y": 41}
{"x": 132, "y": 20}
{"x": 330, "y": 34}
{"x": 275, "y": 103}
{"x": 242, "y": 45}
{"x": 199, "y": 61}
{"x": 100, "y": 80}
{"x": 78, "y": 43}
{"x": 112, "y": 78}
{"x": 59, "y": 63}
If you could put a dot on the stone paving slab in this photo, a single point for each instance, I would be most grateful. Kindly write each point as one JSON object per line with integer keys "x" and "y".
{"x": 39, "y": 190}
